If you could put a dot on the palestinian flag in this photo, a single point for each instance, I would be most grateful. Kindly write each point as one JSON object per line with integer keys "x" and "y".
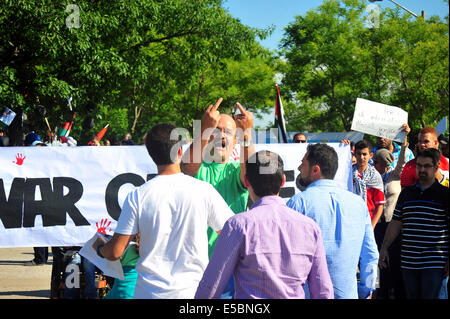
{"x": 63, "y": 131}
{"x": 279, "y": 118}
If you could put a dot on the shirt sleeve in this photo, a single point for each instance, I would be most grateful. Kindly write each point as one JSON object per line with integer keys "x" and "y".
{"x": 128, "y": 219}
{"x": 378, "y": 197}
{"x": 368, "y": 261}
{"x": 222, "y": 262}
{"x": 408, "y": 174}
{"x": 319, "y": 280}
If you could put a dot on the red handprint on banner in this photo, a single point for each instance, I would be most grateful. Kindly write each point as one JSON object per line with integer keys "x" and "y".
{"x": 19, "y": 158}
{"x": 103, "y": 225}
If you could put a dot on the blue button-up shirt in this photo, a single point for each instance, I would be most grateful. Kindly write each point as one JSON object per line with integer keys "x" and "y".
{"x": 347, "y": 236}
{"x": 396, "y": 152}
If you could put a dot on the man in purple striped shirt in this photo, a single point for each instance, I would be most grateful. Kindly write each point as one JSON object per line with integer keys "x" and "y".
{"x": 271, "y": 250}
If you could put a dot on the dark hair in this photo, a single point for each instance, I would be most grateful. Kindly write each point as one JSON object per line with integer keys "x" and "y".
{"x": 363, "y": 144}
{"x": 432, "y": 153}
{"x": 160, "y": 143}
{"x": 325, "y": 157}
{"x": 298, "y": 134}
{"x": 264, "y": 171}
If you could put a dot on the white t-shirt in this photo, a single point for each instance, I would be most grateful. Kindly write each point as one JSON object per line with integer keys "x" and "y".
{"x": 171, "y": 213}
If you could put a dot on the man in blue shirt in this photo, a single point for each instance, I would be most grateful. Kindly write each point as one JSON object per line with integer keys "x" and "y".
{"x": 394, "y": 148}
{"x": 344, "y": 220}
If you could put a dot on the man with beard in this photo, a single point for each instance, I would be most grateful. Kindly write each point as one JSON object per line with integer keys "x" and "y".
{"x": 208, "y": 159}
{"x": 344, "y": 220}
{"x": 421, "y": 215}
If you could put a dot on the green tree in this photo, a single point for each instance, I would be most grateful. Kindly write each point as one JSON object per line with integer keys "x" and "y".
{"x": 333, "y": 57}
{"x": 134, "y": 55}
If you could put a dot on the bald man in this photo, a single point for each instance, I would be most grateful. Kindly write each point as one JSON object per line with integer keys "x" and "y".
{"x": 208, "y": 159}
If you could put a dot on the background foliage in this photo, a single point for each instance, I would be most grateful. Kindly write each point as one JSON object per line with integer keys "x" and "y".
{"x": 135, "y": 63}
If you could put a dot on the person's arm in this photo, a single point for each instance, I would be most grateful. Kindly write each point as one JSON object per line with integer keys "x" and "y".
{"x": 368, "y": 260}
{"x": 193, "y": 157}
{"x": 319, "y": 280}
{"x": 402, "y": 156}
{"x": 244, "y": 123}
{"x": 114, "y": 248}
{"x": 222, "y": 263}
{"x": 393, "y": 230}
{"x": 377, "y": 214}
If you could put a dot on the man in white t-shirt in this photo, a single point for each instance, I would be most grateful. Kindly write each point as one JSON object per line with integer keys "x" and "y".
{"x": 171, "y": 212}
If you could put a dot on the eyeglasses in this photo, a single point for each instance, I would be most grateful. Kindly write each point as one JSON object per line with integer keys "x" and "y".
{"x": 299, "y": 141}
{"x": 426, "y": 166}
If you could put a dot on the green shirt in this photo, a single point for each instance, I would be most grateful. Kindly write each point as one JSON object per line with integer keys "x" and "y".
{"x": 226, "y": 180}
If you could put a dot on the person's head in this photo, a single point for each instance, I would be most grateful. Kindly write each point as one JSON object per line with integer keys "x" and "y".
{"x": 299, "y": 138}
{"x": 223, "y": 139}
{"x": 383, "y": 142}
{"x": 30, "y": 138}
{"x": 2, "y": 132}
{"x": 94, "y": 140}
{"x": 161, "y": 144}
{"x": 363, "y": 153}
{"x": 427, "y": 164}
{"x": 382, "y": 160}
{"x": 319, "y": 162}
{"x": 443, "y": 141}
{"x": 427, "y": 138}
{"x": 264, "y": 174}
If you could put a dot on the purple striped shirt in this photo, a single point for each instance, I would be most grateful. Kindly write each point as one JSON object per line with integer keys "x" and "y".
{"x": 272, "y": 251}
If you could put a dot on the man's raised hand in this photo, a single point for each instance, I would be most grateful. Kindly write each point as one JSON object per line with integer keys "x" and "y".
{"x": 211, "y": 116}
{"x": 245, "y": 119}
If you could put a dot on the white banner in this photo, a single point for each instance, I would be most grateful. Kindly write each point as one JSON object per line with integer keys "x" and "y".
{"x": 379, "y": 119}
{"x": 61, "y": 196}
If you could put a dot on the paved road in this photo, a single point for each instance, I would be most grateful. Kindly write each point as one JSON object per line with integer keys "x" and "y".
{"x": 23, "y": 282}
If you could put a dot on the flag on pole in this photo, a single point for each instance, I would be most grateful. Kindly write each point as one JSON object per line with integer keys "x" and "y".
{"x": 71, "y": 124}
{"x": 63, "y": 131}
{"x": 102, "y": 133}
{"x": 279, "y": 118}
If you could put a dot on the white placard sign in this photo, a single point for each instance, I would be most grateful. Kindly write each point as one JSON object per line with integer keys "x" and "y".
{"x": 379, "y": 119}
{"x": 62, "y": 196}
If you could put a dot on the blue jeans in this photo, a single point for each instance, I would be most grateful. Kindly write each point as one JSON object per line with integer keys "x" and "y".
{"x": 72, "y": 291}
{"x": 422, "y": 283}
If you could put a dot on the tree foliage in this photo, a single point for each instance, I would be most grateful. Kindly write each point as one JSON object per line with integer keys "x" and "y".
{"x": 127, "y": 63}
{"x": 333, "y": 57}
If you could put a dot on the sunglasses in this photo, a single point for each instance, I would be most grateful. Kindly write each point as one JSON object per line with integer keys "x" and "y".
{"x": 300, "y": 141}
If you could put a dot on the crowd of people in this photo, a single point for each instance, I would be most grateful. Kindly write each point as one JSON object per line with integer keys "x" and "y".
{"x": 217, "y": 228}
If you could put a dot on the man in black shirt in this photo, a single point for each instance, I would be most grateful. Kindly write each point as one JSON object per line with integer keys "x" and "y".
{"x": 422, "y": 215}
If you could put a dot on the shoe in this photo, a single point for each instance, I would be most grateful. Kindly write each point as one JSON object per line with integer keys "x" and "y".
{"x": 32, "y": 263}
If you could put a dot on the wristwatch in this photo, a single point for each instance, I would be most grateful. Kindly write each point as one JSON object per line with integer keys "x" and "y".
{"x": 98, "y": 250}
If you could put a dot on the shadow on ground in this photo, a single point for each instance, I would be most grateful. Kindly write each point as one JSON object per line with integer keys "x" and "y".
{"x": 34, "y": 293}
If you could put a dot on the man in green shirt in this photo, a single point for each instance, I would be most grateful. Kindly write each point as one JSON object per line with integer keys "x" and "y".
{"x": 208, "y": 157}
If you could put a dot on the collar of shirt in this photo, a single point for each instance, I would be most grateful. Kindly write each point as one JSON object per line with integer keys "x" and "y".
{"x": 323, "y": 182}
{"x": 268, "y": 200}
